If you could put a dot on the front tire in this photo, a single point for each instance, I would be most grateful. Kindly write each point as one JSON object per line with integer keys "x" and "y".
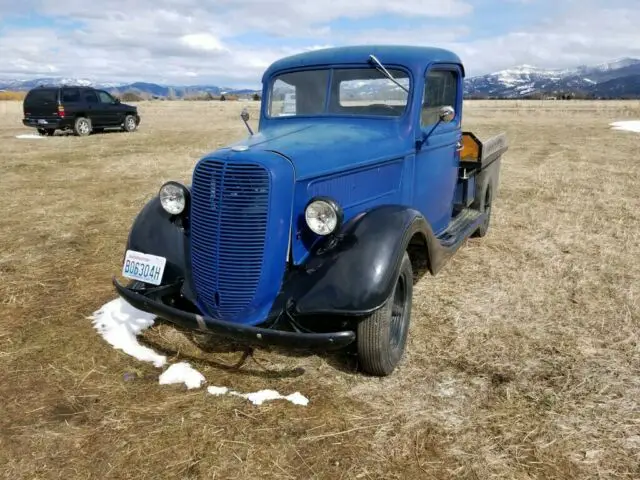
{"x": 82, "y": 126}
{"x": 382, "y": 336}
{"x": 130, "y": 124}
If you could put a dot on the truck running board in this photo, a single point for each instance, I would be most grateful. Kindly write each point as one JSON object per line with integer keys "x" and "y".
{"x": 463, "y": 225}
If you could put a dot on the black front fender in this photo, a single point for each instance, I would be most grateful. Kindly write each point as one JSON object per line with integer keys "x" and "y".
{"x": 156, "y": 232}
{"x": 357, "y": 275}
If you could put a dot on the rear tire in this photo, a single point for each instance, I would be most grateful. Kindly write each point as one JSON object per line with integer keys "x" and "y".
{"x": 382, "y": 336}
{"x": 130, "y": 124}
{"x": 82, "y": 126}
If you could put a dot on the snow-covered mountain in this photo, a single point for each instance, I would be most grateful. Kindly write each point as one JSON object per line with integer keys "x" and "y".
{"x": 137, "y": 87}
{"x": 526, "y": 80}
{"x": 31, "y": 83}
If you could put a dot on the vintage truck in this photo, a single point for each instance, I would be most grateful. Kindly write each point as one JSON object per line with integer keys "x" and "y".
{"x": 307, "y": 233}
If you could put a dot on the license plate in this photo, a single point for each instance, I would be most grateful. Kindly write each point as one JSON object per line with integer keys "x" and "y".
{"x": 42, "y": 122}
{"x": 143, "y": 267}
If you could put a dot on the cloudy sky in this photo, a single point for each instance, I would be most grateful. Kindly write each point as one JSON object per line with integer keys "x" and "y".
{"x": 230, "y": 42}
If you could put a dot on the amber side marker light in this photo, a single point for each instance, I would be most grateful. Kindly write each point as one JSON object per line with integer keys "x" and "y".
{"x": 470, "y": 148}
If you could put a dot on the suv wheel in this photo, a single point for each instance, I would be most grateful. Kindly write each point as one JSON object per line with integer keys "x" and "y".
{"x": 382, "y": 336}
{"x": 82, "y": 126}
{"x": 130, "y": 123}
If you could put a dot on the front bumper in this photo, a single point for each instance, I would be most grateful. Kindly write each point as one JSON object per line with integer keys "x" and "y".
{"x": 242, "y": 333}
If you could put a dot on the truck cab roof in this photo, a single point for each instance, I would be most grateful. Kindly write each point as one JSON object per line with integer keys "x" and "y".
{"x": 413, "y": 57}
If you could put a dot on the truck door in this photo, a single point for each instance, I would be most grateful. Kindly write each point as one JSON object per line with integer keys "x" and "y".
{"x": 92, "y": 107}
{"x": 110, "y": 110}
{"x": 436, "y": 162}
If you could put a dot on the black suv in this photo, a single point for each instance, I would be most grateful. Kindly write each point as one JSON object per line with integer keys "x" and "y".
{"x": 81, "y": 109}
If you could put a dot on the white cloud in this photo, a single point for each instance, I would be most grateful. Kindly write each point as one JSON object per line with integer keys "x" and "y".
{"x": 221, "y": 42}
{"x": 583, "y": 36}
{"x": 202, "y": 41}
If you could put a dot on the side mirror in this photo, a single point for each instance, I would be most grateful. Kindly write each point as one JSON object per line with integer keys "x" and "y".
{"x": 117, "y": 101}
{"x": 447, "y": 114}
{"x": 245, "y": 118}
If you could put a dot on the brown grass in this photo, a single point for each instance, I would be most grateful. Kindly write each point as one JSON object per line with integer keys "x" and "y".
{"x": 523, "y": 359}
{"x": 12, "y": 96}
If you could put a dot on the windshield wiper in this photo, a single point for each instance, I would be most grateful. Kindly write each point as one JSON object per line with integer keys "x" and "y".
{"x": 384, "y": 71}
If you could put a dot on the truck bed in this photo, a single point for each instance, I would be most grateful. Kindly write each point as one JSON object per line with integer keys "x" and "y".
{"x": 476, "y": 154}
{"x": 477, "y": 160}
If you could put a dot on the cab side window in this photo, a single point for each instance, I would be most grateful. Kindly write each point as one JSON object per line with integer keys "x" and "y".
{"x": 441, "y": 90}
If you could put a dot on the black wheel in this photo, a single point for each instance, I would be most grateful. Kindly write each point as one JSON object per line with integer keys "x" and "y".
{"x": 129, "y": 124}
{"x": 382, "y": 336}
{"x": 485, "y": 207}
{"x": 82, "y": 126}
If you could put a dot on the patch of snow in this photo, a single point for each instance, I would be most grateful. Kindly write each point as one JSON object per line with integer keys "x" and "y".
{"x": 297, "y": 399}
{"x": 615, "y": 64}
{"x": 627, "y": 126}
{"x": 217, "y": 390}
{"x": 182, "y": 372}
{"x": 526, "y": 86}
{"x": 119, "y": 323}
{"x": 258, "y": 398}
{"x": 29, "y": 135}
{"x": 526, "y": 91}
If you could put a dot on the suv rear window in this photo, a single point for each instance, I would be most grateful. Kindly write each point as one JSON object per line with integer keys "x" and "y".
{"x": 42, "y": 95}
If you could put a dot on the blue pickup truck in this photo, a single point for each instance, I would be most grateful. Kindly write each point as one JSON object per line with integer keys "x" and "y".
{"x": 309, "y": 233}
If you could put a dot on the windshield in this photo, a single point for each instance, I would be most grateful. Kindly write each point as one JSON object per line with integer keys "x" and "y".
{"x": 340, "y": 91}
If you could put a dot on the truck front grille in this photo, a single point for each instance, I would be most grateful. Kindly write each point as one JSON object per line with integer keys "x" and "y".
{"x": 229, "y": 219}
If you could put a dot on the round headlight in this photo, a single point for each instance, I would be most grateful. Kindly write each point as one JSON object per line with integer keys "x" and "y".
{"x": 173, "y": 198}
{"x": 323, "y": 216}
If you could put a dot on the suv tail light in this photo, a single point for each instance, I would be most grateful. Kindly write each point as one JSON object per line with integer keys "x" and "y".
{"x": 60, "y": 111}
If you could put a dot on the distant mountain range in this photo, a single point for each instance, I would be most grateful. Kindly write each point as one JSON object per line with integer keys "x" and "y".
{"x": 152, "y": 89}
{"x": 620, "y": 78}
{"x": 617, "y": 79}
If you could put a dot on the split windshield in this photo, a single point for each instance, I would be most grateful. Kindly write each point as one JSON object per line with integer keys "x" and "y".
{"x": 339, "y": 91}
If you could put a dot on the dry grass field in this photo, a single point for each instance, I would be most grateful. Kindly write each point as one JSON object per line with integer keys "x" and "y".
{"x": 523, "y": 358}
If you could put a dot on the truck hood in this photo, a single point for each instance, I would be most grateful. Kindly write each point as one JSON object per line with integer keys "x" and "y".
{"x": 319, "y": 148}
